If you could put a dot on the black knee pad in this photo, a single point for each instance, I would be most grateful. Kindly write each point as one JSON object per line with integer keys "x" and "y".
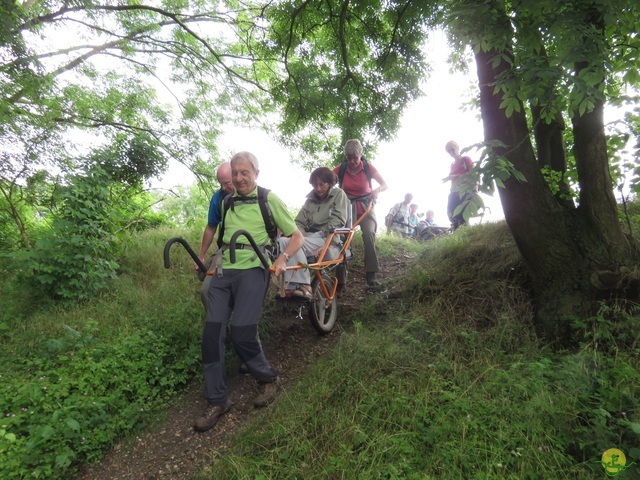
{"x": 211, "y": 342}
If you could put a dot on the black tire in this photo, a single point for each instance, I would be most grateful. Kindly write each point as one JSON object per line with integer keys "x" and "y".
{"x": 323, "y": 314}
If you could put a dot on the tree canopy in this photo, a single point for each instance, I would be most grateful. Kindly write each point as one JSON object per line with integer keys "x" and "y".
{"x": 317, "y": 73}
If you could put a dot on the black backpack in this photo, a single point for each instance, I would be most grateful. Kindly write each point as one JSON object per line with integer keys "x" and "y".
{"x": 343, "y": 168}
{"x": 230, "y": 201}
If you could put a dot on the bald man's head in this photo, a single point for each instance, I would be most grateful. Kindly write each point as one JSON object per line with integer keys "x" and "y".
{"x": 224, "y": 177}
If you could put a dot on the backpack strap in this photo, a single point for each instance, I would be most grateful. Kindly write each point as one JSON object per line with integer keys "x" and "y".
{"x": 229, "y": 202}
{"x": 343, "y": 169}
{"x": 221, "y": 200}
{"x": 464, "y": 163}
{"x": 367, "y": 170}
{"x": 267, "y": 217}
{"x": 225, "y": 205}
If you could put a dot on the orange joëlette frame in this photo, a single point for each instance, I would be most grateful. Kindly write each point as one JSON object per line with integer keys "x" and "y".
{"x": 321, "y": 264}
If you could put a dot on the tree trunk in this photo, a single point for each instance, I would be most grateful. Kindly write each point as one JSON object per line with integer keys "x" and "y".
{"x": 15, "y": 215}
{"x": 551, "y": 151}
{"x": 574, "y": 255}
{"x": 548, "y": 135}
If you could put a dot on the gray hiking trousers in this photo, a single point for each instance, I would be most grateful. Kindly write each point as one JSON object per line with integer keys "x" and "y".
{"x": 242, "y": 293}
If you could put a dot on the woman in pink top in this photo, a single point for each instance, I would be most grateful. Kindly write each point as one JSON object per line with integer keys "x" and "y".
{"x": 459, "y": 167}
{"x": 355, "y": 183}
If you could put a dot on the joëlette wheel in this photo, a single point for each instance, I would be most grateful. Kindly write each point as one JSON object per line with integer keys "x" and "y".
{"x": 323, "y": 313}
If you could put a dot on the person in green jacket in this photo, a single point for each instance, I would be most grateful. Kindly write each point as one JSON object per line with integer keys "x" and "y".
{"x": 326, "y": 208}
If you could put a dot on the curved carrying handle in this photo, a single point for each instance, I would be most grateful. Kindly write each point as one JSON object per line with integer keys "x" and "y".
{"x": 247, "y": 235}
{"x": 183, "y": 242}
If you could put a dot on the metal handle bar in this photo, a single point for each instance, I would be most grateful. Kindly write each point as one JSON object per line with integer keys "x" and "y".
{"x": 183, "y": 242}
{"x": 247, "y": 235}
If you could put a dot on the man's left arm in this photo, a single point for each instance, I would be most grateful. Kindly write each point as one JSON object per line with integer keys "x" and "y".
{"x": 213, "y": 220}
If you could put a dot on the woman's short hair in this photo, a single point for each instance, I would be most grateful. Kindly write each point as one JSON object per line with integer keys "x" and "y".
{"x": 246, "y": 156}
{"x": 324, "y": 175}
{"x": 353, "y": 147}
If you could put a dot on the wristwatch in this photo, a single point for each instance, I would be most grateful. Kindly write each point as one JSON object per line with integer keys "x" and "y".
{"x": 286, "y": 255}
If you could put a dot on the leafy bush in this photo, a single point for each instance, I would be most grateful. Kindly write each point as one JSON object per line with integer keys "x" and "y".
{"x": 186, "y": 206}
{"x": 75, "y": 399}
{"x": 78, "y": 257}
{"x": 77, "y": 378}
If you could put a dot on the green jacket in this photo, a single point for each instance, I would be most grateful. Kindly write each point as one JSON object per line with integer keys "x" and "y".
{"x": 322, "y": 216}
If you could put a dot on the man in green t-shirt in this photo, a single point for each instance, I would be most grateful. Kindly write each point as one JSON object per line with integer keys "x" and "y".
{"x": 239, "y": 288}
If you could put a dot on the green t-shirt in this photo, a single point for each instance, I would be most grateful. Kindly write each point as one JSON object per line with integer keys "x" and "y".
{"x": 247, "y": 216}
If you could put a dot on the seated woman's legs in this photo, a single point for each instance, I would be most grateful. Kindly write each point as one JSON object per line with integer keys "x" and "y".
{"x": 314, "y": 243}
{"x": 298, "y": 276}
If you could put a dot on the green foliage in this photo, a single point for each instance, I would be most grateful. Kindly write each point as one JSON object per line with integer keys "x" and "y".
{"x": 132, "y": 160}
{"x": 147, "y": 75}
{"x": 63, "y": 398}
{"x": 186, "y": 206}
{"x": 350, "y": 69}
{"x": 78, "y": 378}
{"x": 622, "y": 142}
{"x": 9, "y": 234}
{"x": 79, "y": 257}
{"x": 564, "y": 61}
{"x": 441, "y": 379}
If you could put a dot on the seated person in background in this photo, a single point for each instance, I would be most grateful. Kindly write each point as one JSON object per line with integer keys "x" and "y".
{"x": 429, "y": 219}
{"x": 431, "y": 223}
{"x": 326, "y": 208}
{"x": 412, "y": 220}
{"x": 397, "y": 217}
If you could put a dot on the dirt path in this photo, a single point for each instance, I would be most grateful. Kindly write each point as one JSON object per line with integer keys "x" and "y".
{"x": 173, "y": 450}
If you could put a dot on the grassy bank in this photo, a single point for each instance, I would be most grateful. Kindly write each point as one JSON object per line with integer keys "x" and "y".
{"x": 76, "y": 378}
{"x": 447, "y": 380}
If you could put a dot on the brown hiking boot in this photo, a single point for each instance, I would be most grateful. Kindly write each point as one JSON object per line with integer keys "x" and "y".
{"x": 211, "y": 415}
{"x": 267, "y": 393}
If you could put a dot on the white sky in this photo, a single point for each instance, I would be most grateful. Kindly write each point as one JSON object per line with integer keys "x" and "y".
{"x": 415, "y": 161}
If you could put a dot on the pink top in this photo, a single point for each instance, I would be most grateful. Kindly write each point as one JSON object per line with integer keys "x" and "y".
{"x": 356, "y": 184}
{"x": 461, "y": 166}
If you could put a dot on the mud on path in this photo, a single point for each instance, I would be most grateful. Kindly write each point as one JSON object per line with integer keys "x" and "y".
{"x": 171, "y": 449}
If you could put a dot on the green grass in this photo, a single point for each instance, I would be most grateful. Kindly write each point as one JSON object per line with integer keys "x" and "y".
{"x": 452, "y": 383}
